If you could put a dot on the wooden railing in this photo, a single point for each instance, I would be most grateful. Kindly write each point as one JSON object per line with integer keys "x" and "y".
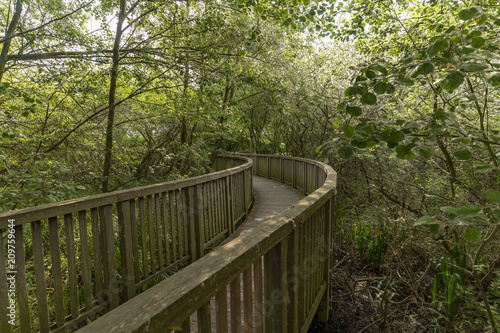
{"x": 273, "y": 278}
{"x": 63, "y": 264}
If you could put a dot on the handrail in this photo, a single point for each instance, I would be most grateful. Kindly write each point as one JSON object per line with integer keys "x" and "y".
{"x": 115, "y": 244}
{"x": 285, "y": 267}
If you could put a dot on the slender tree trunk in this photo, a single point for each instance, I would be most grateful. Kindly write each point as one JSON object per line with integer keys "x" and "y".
{"x": 108, "y": 153}
{"x": 8, "y": 36}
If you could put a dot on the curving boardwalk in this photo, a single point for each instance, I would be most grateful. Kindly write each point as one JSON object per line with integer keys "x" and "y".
{"x": 270, "y": 199}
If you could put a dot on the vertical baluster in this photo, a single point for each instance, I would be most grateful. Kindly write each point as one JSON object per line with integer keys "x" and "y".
{"x": 324, "y": 307}
{"x": 178, "y": 206}
{"x": 135, "y": 240}
{"x": 41, "y": 291}
{"x": 221, "y": 310}
{"x": 224, "y": 213}
{"x": 235, "y": 300}
{"x": 21, "y": 283}
{"x": 96, "y": 239}
{"x": 171, "y": 206}
{"x": 164, "y": 208}
{"x": 229, "y": 205}
{"x": 204, "y": 321}
{"x": 197, "y": 230}
{"x": 218, "y": 193}
{"x": 293, "y": 281}
{"x": 302, "y": 273}
{"x": 258, "y": 296}
{"x": 309, "y": 298}
{"x": 247, "y": 301}
{"x": 186, "y": 326}
{"x": 84, "y": 240}
{"x": 4, "y": 298}
{"x": 210, "y": 206}
{"x": 158, "y": 230}
{"x": 185, "y": 217}
{"x": 316, "y": 243}
{"x": 126, "y": 252}
{"x": 109, "y": 259}
{"x": 151, "y": 225}
{"x": 72, "y": 277}
{"x": 56, "y": 271}
{"x": 142, "y": 225}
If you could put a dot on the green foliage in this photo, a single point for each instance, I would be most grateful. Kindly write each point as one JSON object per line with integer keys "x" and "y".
{"x": 372, "y": 243}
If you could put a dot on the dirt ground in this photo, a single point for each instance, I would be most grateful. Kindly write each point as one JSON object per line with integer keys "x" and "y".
{"x": 357, "y": 292}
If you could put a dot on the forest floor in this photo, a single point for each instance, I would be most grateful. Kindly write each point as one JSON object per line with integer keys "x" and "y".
{"x": 356, "y": 293}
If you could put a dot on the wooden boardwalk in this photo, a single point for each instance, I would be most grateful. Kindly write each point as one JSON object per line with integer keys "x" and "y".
{"x": 270, "y": 199}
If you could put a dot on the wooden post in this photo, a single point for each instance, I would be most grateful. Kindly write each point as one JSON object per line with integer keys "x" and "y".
{"x": 4, "y": 288}
{"x": 21, "y": 282}
{"x": 229, "y": 205}
{"x": 293, "y": 281}
{"x": 245, "y": 194}
{"x": 126, "y": 250}
{"x": 268, "y": 167}
{"x": 204, "y": 321}
{"x": 324, "y": 306}
{"x": 110, "y": 288}
{"x": 275, "y": 288}
{"x": 41, "y": 287}
{"x": 196, "y": 230}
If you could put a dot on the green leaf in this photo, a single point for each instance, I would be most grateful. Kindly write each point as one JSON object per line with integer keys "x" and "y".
{"x": 463, "y": 155}
{"x": 345, "y": 152}
{"x": 348, "y": 130}
{"x": 439, "y": 114}
{"x": 335, "y": 126}
{"x": 474, "y": 67}
{"x": 425, "y": 152}
{"x": 25, "y": 113}
{"x": 469, "y": 209}
{"x": 354, "y": 110}
{"x": 368, "y": 99}
{"x": 380, "y": 88}
{"x": 482, "y": 167}
{"x": 434, "y": 229}
{"x": 494, "y": 80}
{"x": 436, "y": 47}
{"x": 370, "y": 74}
{"x": 426, "y": 68}
{"x": 467, "y": 14}
{"x": 390, "y": 89}
{"x": 466, "y": 50}
{"x": 410, "y": 156}
{"x": 351, "y": 91}
{"x": 426, "y": 219}
{"x": 477, "y": 42}
{"x": 452, "y": 81}
{"x": 472, "y": 234}
{"x": 449, "y": 210}
{"x": 380, "y": 68}
{"x": 493, "y": 196}
{"x": 404, "y": 81}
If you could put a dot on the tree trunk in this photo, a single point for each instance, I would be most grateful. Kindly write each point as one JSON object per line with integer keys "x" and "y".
{"x": 108, "y": 153}
{"x": 8, "y": 37}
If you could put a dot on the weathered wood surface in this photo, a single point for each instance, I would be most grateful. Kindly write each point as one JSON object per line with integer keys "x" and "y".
{"x": 27, "y": 215}
{"x": 92, "y": 254}
{"x": 167, "y": 305}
